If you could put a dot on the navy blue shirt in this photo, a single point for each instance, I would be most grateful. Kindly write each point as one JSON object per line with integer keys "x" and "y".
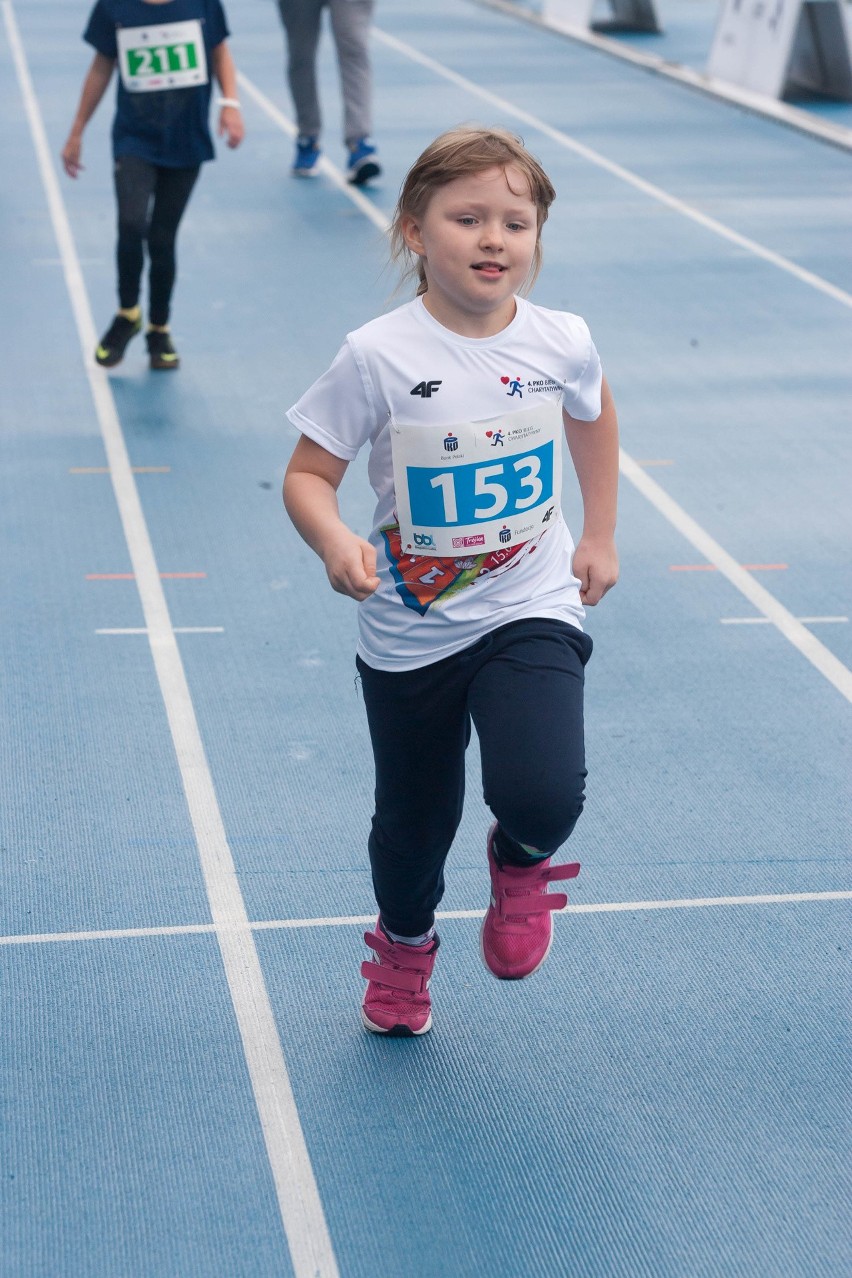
{"x": 162, "y": 124}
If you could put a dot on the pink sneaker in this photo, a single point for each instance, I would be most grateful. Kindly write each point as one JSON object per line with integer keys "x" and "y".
{"x": 517, "y": 931}
{"x": 397, "y": 999}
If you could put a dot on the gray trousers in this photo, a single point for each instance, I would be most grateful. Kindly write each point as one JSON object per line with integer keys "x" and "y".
{"x": 350, "y": 25}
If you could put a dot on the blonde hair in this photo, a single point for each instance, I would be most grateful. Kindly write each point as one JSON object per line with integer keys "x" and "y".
{"x": 462, "y": 152}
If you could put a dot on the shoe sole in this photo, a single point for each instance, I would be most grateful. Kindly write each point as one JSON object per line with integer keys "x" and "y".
{"x": 110, "y": 361}
{"x": 163, "y": 366}
{"x": 522, "y": 976}
{"x": 397, "y": 1031}
{"x": 366, "y": 173}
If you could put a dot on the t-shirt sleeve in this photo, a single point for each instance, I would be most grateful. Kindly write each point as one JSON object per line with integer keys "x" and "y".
{"x": 100, "y": 32}
{"x": 582, "y": 395}
{"x": 337, "y": 411}
{"x": 217, "y": 24}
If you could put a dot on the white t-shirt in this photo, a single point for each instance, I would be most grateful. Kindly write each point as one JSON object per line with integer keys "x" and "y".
{"x": 407, "y": 367}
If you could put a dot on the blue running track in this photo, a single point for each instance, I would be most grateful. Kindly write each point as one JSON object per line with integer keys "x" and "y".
{"x": 186, "y": 784}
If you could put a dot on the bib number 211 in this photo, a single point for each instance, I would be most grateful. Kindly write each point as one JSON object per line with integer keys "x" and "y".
{"x": 160, "y": 60}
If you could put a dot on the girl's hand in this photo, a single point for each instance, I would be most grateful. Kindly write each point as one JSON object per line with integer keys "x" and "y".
{"x": 351, "y": 566}
{"x": 71, "y": 155}
{"x": 596, "y": 566}
{"x": 231, "y": 122}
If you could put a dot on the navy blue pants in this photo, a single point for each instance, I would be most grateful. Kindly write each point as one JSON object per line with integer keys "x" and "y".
{"x": 522, "y": 686}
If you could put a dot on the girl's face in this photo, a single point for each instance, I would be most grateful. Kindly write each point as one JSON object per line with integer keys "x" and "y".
{"x": 477, "y": 239}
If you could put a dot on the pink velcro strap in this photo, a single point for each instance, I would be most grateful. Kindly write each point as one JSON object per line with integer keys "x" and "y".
{"x": 404, "y": 956}
{"x": 522, "y": 906}
{"x": 555, "y": 872}
{"x": 391, "y": 976}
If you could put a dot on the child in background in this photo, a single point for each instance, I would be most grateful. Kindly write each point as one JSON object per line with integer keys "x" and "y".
{"x": 470, "y": 589}
{"x": 166, "y": 51}
{"x": 350, "y": 27}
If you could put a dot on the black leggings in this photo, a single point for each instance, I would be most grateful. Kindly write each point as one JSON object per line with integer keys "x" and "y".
{"x": 522, "y": 686}
{"x": 151, "y": 201}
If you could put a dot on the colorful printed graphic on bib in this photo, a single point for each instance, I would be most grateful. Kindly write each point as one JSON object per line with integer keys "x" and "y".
{"x": 422, "y": 580}
{"x": 479, "y": 486}
{"x": 170, "y": 56}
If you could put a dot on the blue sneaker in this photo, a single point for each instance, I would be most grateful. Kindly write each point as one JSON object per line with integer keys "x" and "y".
{"x": 363, "y": 165}
{"x": 307, "y": 155}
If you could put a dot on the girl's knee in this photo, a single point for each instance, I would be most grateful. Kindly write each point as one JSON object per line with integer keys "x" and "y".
{"x": 541, "y": 820}
{"x": 161, "y": 238}
{"x": 131, "y": 227}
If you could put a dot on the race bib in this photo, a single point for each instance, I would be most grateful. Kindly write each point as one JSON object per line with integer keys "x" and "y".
{"x": 478, "y": 486}
{"x": 170, "y": 56}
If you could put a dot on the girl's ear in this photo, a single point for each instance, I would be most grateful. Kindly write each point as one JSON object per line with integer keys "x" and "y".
{"x": 410, "y": 228}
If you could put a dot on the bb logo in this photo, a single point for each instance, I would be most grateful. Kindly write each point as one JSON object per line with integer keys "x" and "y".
{"x": 504, "y": 534}
{"x": 423, "y": 539}
{"x": 451, "y": 443}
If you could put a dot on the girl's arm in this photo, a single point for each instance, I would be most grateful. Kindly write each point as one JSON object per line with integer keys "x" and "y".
{"x": 230, "y": 117}
{"x": 310, "y": 496}
{"x": 94, "y": 88}
{"x": 594, "y": 452}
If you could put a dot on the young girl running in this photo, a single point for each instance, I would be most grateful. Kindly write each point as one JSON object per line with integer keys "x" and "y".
{"x": 471, "y": 605}
{"x": 166, "y": 51}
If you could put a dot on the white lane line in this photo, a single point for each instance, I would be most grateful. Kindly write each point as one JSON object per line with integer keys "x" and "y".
{"x": 760, "y": 598}
{"x": 367, "y": 920}
{"x": 624, "y": 175}
{"x": 793, "y": 630}
{"x": 765, "y": 621}
{"x": 324, "y": 166}
{"x": 109, "y": 934}
{"x": 298, "y": 1197}
{"x": 178, "y": 630}
{"x": 594, "y": 157}
{"x": 759, "y": 103}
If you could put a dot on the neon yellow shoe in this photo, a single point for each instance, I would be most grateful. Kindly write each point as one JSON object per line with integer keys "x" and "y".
{"x": 113, "y": 344}
{"x": 161, "y": 349}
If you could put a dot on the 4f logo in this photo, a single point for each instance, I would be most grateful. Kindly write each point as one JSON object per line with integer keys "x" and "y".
{"x": 425, "y": 389}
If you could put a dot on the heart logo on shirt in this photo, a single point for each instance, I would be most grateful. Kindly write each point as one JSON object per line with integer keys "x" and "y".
{"x": 505, "y": 381}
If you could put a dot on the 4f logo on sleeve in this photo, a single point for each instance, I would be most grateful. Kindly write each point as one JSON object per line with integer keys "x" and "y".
{"x": 425, "y": 389}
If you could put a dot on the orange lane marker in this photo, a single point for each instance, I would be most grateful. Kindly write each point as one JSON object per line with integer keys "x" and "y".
{"x": 104, "y": 470}
{"x": 713, "y": 568}
{"x": 129, "y": 576}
